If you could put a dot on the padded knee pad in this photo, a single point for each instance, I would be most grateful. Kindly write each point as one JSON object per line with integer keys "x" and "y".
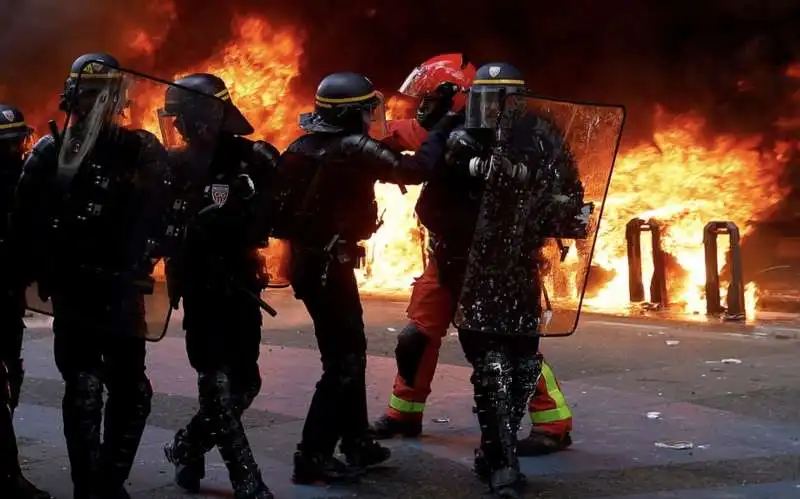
{"x": 526, "y": 374}
{"x": 353, "y": 368}
{"x": 83, "y": 390}
{"x": 411, "y": 345}
{"x": 143, "y": 394}
{"x": 339, "y": 374}
{"x": 214, "y": 389}
{"x": 494, "y": 374}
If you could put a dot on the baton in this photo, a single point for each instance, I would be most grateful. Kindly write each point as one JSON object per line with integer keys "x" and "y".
{"x": 55, "y": 133}
{"x": 261, "y": 303}
{"x": 328, "y": 252}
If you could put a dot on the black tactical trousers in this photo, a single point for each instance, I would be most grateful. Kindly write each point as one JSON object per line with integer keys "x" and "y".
{"x": 88, "y": 360}
{"x": 11, "y": 374}
{"x": 339, "y": 406}
{"x": 505, "y": 371}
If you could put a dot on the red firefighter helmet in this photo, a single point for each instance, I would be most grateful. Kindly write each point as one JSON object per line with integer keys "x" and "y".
{"x": 439, "y": 80}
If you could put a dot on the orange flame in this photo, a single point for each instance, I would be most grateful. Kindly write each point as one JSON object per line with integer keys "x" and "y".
{"x": 684, "y": 184}
{"x": 679, "y": 178}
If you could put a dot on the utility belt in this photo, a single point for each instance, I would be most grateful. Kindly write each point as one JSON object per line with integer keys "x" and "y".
{"x": 337, "y": 249}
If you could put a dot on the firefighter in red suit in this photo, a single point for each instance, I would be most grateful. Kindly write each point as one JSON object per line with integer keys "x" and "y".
{"x": 438, "y": 85}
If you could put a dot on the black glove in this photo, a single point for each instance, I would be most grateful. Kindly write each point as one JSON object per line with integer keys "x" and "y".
{"x": 450, "y": 121}
{"x": 461, "y": 147}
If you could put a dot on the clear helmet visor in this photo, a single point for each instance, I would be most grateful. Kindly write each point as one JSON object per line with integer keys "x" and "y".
{"x": 494, "y": 106}
{"x": 97, "y": 105}
{"x": 101, "y": 100}
{"x": 411, "y": 86}
{"x": 194, "y": 125}
{"x": 375, "y": 118}
{"x": 171, "y": 133}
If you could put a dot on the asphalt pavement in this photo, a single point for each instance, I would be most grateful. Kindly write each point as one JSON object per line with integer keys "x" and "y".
{"x": 727, "y": 395}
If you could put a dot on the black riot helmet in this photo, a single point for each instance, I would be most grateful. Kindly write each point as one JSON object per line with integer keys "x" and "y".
{"x": 497, "y": 97}
{"x": 346, "y": 102}
{"x": 14, "y": 132}
{"x": 198, "y": 105}
{"x": 91, "y": 76}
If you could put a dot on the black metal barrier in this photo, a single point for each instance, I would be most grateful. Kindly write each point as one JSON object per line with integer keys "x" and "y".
{"x": 735, "y": 301}
{"x": 658, "y": 286}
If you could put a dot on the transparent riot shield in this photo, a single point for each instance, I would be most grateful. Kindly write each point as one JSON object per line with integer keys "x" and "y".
{"x": 545, "y": 184}
{"x": 127, "y": 141}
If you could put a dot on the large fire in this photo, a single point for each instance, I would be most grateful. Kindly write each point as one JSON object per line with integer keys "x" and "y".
{"x": 680, "y": 178}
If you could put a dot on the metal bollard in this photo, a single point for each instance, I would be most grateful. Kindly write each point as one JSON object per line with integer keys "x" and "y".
{"x": 658, "y": 286}
{"x": 735, "y": 309}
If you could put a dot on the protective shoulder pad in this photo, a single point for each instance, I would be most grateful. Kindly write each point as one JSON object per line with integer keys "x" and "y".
{"x": 45, "y": 145}
{"x": 309, "y": 145}
{"x": 265, "y": 153}
{"x": 146, "y": 137}
{"x": 43, "y": 158}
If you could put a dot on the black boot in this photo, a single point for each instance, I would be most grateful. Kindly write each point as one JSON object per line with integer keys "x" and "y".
{"x": 539, "y": 443}
{"x": 261, "y": 491}
{"x": 483, "y": 469}
{"x": 387, "y": 427}
{"x": 364, "y": 452}
{"x": 188, "y": 473}
{"x": 18, "y": 487}
{"x": 506, "y": 482}
{"x": 310, "y": 468}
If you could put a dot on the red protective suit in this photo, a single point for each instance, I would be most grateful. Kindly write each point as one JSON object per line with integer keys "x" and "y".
{"x": 431, "y": 309}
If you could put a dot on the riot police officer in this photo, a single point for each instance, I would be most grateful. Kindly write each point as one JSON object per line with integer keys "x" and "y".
{"x": 14, "y": 133}
{"x": 505, "y": 363}
{"x": 84, "y": 209}
{"x": 327, "y": 206}
{"x": 220, "y": 182}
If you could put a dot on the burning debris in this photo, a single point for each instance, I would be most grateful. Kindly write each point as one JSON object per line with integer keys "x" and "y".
{"x": 717, "y": 150}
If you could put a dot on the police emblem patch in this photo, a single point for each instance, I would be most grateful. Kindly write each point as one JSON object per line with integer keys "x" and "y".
{"x": 9, "y": 115}
{"x": 494, "y": 71}
{"x": 219, "y": 193}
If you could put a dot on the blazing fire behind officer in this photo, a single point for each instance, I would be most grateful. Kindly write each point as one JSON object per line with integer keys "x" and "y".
{"x": 327, "y": 205}
{"x": 14, "y": 133}
{"x": 219, "y": 181}
{"x": 83, "y": 209}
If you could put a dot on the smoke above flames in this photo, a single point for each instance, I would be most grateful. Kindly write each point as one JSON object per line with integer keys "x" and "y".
{"x": 726, "y": 59}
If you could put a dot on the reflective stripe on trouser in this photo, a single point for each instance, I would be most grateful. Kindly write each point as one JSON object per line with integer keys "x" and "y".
{"x": 430, "y": 309}
{"x": 408, "y": 396}
{"x": 548, "y": 409}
